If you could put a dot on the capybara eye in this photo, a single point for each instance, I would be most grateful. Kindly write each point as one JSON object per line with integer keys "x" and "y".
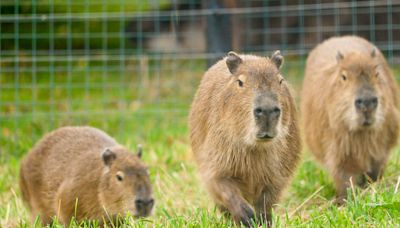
{"x": 119, "y": 177}
{"x": 277, "y": 110}
{"x": 280, "y": 81}
{"x": 240, "y": 83}
{"x": 258, "y": 111}
{"x": 344, "y": 77}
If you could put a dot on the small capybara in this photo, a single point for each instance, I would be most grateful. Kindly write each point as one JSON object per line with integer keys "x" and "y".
{"x": 349, "y": 109}
{"x": 82, "y": 172}
{"x": 244, "y": 134}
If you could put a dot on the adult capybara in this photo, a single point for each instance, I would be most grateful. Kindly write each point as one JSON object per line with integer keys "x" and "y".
{"x": 244, "y": 134}
{"x": 82, "y": 172}
{"x": 349, "y": 108}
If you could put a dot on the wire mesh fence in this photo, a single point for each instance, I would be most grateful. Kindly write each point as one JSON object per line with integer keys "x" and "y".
{"x": 66, "y": 59}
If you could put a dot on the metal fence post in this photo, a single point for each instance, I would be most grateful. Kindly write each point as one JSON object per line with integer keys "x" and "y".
{"x": 218, "y": 30}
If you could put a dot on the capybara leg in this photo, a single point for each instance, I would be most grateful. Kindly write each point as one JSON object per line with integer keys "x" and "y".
{"x": 264, "y": 207}
{"x": 24, "y": 189}
{"x": 362, "y": 181}
{"x": 40, "y": 214}
{"x": 376, "y": 171}
{"x": 46, "y": 220}
{"x": 342, "y": 181}
{"x": 63, "y": 205}
{"x": 223, "y": 209}
{"x": 372, "y": 175}
{"x": 228, "y": 195}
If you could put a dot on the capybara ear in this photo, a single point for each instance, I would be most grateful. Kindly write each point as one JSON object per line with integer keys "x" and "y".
{"x": 277, "y": 59}
{"x": 339, "y": 56}
{"x": 108, "y": 156}
{"x": 373, "y": 53}
{"x": 233, "y": 61}
{"x": 139, "y": 151}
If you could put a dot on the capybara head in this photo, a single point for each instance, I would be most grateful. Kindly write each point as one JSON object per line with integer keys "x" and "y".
{"x": 125, "y": 183}
{"x": 358, "y": 97}
{"x": 257, "y": 93}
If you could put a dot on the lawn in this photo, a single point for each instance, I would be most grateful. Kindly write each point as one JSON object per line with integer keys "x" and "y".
{"x": 153, "y": 111}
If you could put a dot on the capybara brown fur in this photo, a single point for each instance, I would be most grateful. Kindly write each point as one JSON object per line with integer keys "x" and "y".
{"x": 244, "y": 134}
{"x": 349, "y": 110}
{"x": 82, "y": 172}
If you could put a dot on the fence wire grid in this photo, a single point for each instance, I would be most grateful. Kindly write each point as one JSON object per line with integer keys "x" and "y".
{"x": 63, "y": 58}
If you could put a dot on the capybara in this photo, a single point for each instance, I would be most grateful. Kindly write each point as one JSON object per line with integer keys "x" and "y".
{"x": 82, "y": 172}
{"x": 244, "y": 134}
{"x": 349, "y": 110}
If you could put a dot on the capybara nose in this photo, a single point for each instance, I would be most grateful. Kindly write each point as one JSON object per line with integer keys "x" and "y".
{"x": 265, "y": 135}
{"x": 144, "y": 207}
{"x": 267, "y": 111}
{"x": 366, "y": 104}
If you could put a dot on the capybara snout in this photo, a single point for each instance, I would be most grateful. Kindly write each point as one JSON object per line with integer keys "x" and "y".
{"x": 266, "y": 114}
{"x": 144, "y": 200}
{"x": 144, "y": 207}
{"x": 366, "y": 104}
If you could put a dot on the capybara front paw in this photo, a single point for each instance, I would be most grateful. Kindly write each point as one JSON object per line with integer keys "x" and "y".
{"x": 247, "y": 216}
{"x": 340, "y": 200}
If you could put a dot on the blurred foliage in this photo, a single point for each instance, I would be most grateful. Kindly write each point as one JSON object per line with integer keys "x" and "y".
{"x": 68, "y": 24}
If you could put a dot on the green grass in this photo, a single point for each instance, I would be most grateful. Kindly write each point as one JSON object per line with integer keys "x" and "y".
{"x": 181, "y": 200}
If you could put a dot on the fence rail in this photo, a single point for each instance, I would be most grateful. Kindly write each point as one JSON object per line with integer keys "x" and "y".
{"x": 63, "y": 58}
